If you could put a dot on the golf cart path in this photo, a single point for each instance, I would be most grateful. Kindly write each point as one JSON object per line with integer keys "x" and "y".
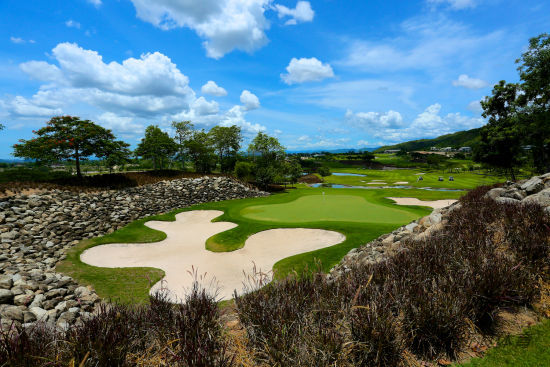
{"x": 184, "y": 248}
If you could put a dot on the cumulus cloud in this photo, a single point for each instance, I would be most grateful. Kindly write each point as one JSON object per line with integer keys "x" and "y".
{"x": 455, "y": 4}
{"x": 301, "y": 13}
{"x": 72, "y": 24}
{"x": 19, "y": 106}
{"x": 306, "y": 70}
{"x": 149, "y": 85}
{"x": 123, "y": 124}
{"x": 203, "y": 108}
{"x": 427, "y": 124}
{"x": 213, "y": 89}
{"x": 249, "y": 100}
{"x": 470, "y": 83}
{"x": 375, "y": 120}
{"x": 225, "y": 25}
{"x": 123, "y": 96}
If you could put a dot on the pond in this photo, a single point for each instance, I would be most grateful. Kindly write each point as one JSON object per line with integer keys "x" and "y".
{"x": 338, "y": 186}
{"x": 347, "y": 174}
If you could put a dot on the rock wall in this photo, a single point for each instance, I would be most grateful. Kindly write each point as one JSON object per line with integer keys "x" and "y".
{"x": 37, "y": 230}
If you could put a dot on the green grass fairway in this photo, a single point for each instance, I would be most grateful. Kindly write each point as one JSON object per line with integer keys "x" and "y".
{"x": 335, "y": 208}
{"x": 361, "y": 215}
{"x": 465, "y": 180}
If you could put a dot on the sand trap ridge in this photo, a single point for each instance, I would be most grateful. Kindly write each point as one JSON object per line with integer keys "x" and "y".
{"x": 436, "y": 204}
{"x": 184, "y": 247}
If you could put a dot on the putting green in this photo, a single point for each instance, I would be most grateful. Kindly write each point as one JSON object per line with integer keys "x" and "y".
{"x": 331, "y": 208}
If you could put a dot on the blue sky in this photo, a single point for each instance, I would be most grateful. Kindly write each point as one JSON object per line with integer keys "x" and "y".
{"x": 321, "y": 74}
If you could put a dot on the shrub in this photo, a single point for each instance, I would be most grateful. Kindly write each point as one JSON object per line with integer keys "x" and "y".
{"x": 323, "y": 171}
{"x": 243, "y": 170}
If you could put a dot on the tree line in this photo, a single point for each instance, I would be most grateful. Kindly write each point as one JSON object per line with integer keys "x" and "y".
{"x": 518, "y": 128}
{"x": 69, "y": 138}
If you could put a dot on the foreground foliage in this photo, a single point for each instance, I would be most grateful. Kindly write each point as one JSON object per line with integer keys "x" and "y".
{"x": 159, "y": 334}
{"x": 422, "y": 301}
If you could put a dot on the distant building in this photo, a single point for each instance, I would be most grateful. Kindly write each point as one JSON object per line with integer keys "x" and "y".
{"x": 392, "y": 151}
{"x": 447, "y": 149}
{"x": 434, "y": 149}
{"x": 465, "y": 149}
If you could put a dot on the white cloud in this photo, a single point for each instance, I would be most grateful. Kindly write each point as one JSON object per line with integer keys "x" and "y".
{"x": 375, "y": 120}
{"x": 475, "y": 107}
{"x": 470, "y": 83}
{"x": 455, "y": 4}
{"x": 225, "y": 25}
{"x": 427, "y": 124}
{"x": 22, "y": 107}
{"x": 362, "y": 143}
{"x": 304, "y": 138}
{"x": 204, "y": 108}
{"x": 301, "y": 13}
{"x": 123, "y": 96}
{"x": 213, "y": 89}
{"x": 96, "y": 3}
{"x": 41, "y": 70}
{"x": 424, "y": 44}
{"x": 122, "y": 124}
{"x": 18, "y": 40}
{"x": 72, "y": 24}
{"x": 236, "y": 116}
{"x": 306, "y": 70}
{"x": 249, "y": 100}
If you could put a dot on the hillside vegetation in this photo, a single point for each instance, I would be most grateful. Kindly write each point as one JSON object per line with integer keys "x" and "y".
{"x": 468, "y": 138}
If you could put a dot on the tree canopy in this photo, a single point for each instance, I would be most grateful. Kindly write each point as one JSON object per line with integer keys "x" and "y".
{"x": 69, "y": 138}
{"x": 184, "y": 132}
{"x": 157, "y": 146}
{"x": 519, "y": 114}
{"x": 226, "y": 141}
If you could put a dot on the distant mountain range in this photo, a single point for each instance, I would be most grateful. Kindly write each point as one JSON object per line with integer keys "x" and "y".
{"x": 333, "y": 151}
{"x": 468, "y": 138}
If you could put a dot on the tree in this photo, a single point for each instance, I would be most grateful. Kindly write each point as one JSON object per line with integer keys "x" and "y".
{"x": 500, "y": 144}
{"x": 157, "y": 146}
{"x": 293, "y": 170}
{"x": 268, "y": 155}
{"x": 2, "y": 127}
{"x": 117, "y": 154}
{"x": 67, "y": 138}
{"x": 184, "y": 132}
{"x": 368, "y": 157}
{"x": 243, "y": 170}
{"x": 201, "y": 151}
{"x": 226, "y": 142}
{"x": 534, "y": 72}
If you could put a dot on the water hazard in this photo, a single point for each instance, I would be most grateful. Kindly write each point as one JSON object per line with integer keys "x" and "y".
{"x": 339, "y": 186}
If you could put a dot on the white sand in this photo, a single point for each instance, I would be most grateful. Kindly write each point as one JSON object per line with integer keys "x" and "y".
{"x": 436, "y": 204}
{"x": 421, "y": 173}
{"x": 401, "y": 183}
{"x": 377, "y": 183}
{"x": 184, "y": 248}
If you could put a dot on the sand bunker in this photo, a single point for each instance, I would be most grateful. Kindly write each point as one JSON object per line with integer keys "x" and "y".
{"x": 401, "y": 183}
{"x": 377, "y": 183}
{"x": 184, "y": 247}
{"x": 436, "y": 204}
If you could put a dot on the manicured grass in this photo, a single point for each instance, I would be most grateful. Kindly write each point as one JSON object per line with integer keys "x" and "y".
{"x": 466, "y": 180}
{"x": 530, "y": 349}
{"x": 381, "y": 216}
{"x": 337, "y": 208}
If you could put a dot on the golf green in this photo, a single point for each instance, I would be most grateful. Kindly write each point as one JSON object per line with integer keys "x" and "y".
{"x": 333, "y": 208}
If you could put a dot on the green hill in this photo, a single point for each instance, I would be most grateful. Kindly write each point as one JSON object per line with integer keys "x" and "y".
{"x": 468, "y": 138}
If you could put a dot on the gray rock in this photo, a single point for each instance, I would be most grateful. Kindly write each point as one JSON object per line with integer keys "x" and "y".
{"x": 6, "y": 296}
{"x": 541, "y": 198}
{"x": 495, "y": 193}
{"x": 40, "y": 313}
{"x": 37, "y": 301}
{"x": 12, "y": 313}
{"x": 6, "y": 282}
{"x": 29, "y": 317}
{"x": 515, "y": 194}
{"x": 533, "y": 185}
{"x": 504, "y": 200}
{"x": 23, "y": 299}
